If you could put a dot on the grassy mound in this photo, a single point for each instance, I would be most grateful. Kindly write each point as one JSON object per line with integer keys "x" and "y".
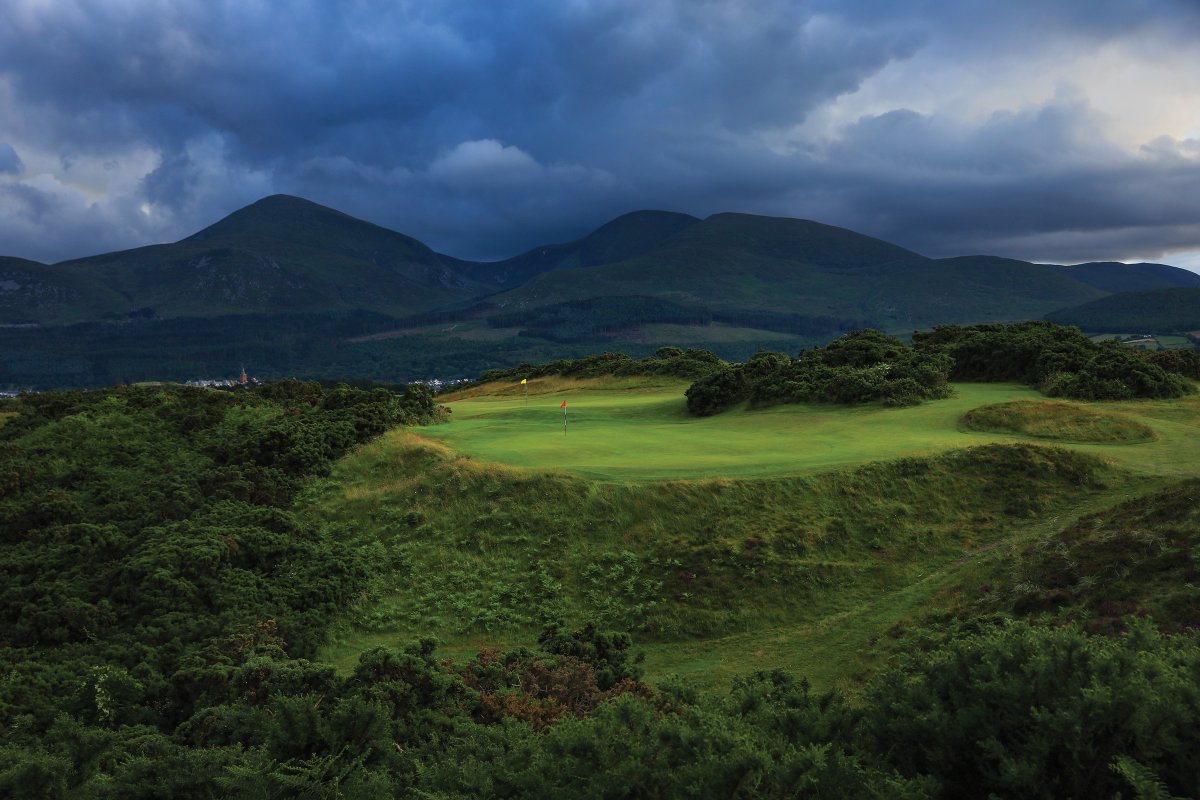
{"x": 1061, "y": 421}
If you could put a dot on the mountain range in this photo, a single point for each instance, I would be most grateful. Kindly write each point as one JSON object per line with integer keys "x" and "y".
{"x": 731, "y": 282}
{"x": 286, "y": 254}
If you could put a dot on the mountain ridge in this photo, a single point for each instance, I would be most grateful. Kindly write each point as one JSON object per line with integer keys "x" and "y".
{"x": 781, "y": 265}
{"x": 623, "y": 237}
{"x": 288, "y": 254}
{"x": 1173, "y": 309}
{"x": 280, "y": 253}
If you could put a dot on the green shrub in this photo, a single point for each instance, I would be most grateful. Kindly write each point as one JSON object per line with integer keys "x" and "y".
{"x": 1060, "y": 361}
{"x": 860, "y": 367}
{"x": 1034, "y": 712}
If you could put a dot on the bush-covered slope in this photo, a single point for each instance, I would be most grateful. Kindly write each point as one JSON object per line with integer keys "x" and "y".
{"x": 153, "y": 567}
{"x": 1141, "y": 557}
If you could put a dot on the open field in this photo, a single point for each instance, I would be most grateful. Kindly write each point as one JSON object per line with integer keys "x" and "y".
{"x": 800, "y": 537}
{"x": 1167, "y": 341}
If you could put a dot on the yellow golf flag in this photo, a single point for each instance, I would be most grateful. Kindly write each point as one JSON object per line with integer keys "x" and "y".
{"x": 522, "y": 381}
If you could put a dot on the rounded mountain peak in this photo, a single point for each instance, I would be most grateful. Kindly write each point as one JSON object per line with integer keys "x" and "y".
{"x": 303, "y": 222}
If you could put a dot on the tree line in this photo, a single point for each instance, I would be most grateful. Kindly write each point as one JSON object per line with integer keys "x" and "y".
{"x": 867, "y": 366}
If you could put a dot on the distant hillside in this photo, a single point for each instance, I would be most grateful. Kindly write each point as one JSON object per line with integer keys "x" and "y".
{"x": 1159, "y": 311}
{"x": 1113, "y": 276}
{"x": 731, "y": 282}
{"x": 33, "y": 292}
{"x": 788, "y": 266}
{"x": 625, "y": 237}
{"x": 279, "y": 254}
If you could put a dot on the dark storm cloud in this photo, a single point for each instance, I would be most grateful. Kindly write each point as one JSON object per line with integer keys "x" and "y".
{"x": 1040, "y": 183}
{"x": 487, "y": 128}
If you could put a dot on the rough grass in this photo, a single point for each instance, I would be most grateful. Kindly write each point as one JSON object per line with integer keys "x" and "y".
{"x": 1175, "y": 342}
{"x": 1065, "y": 422}
{"x": 1139, "y": 557}
{"x": 482, "y": 554}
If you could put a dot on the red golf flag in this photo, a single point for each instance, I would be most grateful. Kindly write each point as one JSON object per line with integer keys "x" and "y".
{"x": 564, "y": 405}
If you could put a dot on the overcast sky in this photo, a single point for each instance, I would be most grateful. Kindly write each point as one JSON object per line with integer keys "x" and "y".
{"x": 1054, "y": 131}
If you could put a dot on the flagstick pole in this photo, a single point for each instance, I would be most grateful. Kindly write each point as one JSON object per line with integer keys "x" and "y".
{"x": 564, "y": 420}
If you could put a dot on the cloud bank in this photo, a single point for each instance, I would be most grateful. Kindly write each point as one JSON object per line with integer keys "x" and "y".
{"x": 1068, "y": 133}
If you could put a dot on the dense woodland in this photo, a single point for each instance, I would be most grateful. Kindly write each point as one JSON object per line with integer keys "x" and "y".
{"x": 364, "y": 345}
{"x": 1174, "y": 309}
{"x": 583, "y": 321}
{"x": 273, "y": 346}
{"x": 162, "y": 606}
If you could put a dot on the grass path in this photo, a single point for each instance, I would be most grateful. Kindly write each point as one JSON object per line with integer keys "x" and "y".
{"x": 843, "y": 647}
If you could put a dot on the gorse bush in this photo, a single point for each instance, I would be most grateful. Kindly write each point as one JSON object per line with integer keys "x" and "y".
{"x": 150, "y": 552}
{"x": 859, "y": 367}
{"x": 1043, "y": 712}
{"x": 1182, "y": 362}
{"x": 1059, "y": 361}
{"x": 1012, "y": 711}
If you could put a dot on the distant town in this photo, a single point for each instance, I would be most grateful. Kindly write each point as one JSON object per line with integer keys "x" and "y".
{"x": 246, "y": 381}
